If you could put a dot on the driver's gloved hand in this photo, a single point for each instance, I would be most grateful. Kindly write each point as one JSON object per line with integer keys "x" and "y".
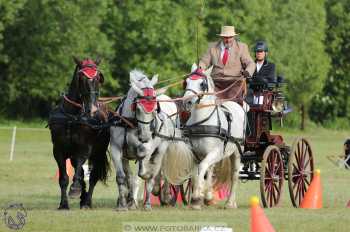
{"x": 246, "y": 74}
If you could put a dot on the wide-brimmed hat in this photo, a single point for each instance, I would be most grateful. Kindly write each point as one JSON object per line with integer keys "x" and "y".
{"x": 227, "y": 31}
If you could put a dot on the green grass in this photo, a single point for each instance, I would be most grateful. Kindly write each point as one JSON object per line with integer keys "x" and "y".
{"x": 28, "y": 179}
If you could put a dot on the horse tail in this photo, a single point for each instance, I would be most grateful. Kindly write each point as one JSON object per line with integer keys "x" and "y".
{"x": 99, "y": 160}
{"x": 178, "y": 162}
{"x": 222, "y": 173}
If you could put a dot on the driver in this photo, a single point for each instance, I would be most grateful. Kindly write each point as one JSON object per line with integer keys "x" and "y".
{"x": 231, "y": 64}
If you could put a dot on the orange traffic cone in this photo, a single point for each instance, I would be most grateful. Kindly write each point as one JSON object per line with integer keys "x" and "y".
{"x": 313, "y": 196}
{"x": 348, "y": 205}
{"x": 69, "y": 170}
{"x": 259, "y": 221}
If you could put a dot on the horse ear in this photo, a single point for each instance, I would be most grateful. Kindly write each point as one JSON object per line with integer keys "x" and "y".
{"x": 76, "y": 60}
{"x": 133, "y": 77}
{"x": 194, "y": 67}
{"x": 101, "y": 78}
{"x": 137, "y": 89}
{"x": 208, "y": 71}
{"x": 98, "y": 60}
{"x": 154, "y": 80}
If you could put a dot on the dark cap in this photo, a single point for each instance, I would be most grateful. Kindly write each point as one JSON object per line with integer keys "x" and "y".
{"x": 261, "y": 46}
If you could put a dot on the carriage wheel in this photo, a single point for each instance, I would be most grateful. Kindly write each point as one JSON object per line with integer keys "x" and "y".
{"x": 186, "y": 190}
{"x": 271, "y": 177}
{"x": 300, "y": 170}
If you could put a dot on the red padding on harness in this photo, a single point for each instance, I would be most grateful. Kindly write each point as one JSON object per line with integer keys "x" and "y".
{"x": 148, "y": 101}
{"x": 89, "y": 68}
{"x": 196, "y": 75}
{"x": 89, "y": 72}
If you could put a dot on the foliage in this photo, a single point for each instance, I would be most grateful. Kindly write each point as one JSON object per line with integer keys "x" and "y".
{"x": 40, "y": 45}
{"x": 38, "y": 38}
{"x": 334, "y": 99}
{"x": 154, "y": 36}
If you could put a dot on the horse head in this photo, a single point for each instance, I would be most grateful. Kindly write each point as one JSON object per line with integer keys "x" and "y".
{"x": 144, "y": 104}
{"x": 85, "y": 85}
{"x": 197, "y": 83}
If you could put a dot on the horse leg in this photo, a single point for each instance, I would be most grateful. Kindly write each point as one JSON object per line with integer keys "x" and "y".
{"x": 116, "y": 152}
{"x": 63, "y": 178}
{"x": 210, "y": 159}
{"x": 75, "y": 189}
{"x": 147, "y": 201}
{"x": 130, "y": 178}
{"x": 208, "y": 196}
{"x": 236, "y": 161}
{"x": 85, "y": 199}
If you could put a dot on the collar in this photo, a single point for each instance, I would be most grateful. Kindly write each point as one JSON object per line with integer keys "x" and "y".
{"x": 222, "y": 46}
{"x": 264, "y": 63}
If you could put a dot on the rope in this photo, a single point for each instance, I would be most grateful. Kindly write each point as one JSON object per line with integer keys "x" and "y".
{"x": 202, "y": 94}
{"x": 174, "y": 78}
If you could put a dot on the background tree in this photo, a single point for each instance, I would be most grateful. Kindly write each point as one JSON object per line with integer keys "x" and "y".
{"x": 154, "y": 36}
{"x": 333, "y": 102}
{"x": 40, "y": 44}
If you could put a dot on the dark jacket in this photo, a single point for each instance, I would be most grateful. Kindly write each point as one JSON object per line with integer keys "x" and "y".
{"x": 267, "y": 73}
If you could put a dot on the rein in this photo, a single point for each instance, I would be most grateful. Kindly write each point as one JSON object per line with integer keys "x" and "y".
{"x": 78, "y": 105}
{"x": 130, "y": 124}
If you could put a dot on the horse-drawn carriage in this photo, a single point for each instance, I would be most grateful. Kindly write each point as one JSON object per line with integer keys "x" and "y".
{"x": 266, "y": 157}
{"x": 146, "y": 130}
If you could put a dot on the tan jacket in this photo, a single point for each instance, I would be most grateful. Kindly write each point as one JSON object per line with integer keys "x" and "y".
{"x": 224, "y": 75}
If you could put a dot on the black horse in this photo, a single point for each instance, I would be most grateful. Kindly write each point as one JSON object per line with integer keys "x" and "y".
{"x": 79, "y": 132}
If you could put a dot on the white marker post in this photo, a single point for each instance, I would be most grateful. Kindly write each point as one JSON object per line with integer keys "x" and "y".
{"x": 13, "y": 143}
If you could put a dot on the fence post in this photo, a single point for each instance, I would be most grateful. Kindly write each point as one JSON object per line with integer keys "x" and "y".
{"x": 13, "y": 143}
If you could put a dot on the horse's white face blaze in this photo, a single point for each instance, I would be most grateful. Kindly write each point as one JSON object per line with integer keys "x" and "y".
{"x": 193, "y": 85}
{"x": 145, "y": 105}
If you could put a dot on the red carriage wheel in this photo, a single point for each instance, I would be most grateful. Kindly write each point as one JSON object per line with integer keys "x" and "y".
{"x": 300, "y": 170}
{"x": 271, "y": 177}
{"x": 186, "y": 190}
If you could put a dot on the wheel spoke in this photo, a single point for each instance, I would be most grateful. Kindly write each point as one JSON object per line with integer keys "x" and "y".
{"x": 307, "y": 163}
{"x": 277, "y": 189}
{"x": 307, "y": 181}
{"x": 274, "y": 197}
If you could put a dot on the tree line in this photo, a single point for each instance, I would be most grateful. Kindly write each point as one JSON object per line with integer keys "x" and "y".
{"x": 308, "y": 41}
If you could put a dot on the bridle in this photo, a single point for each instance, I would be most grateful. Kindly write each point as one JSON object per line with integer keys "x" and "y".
{"x": 196, "y": 75}
{"x": 87, "y": 69}
{"x": 149, "y": 104}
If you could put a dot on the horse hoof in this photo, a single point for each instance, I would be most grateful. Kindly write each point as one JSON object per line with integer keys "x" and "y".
{"x": 63, "y": 207}
{"x": 147, "y": 207}
{"x": 132, "y": 207}
{"x": 196, "y": 203}
{"x": 122, "y": 209}
{"x": 209, "y": 202}
{"x": 196, "y": 207}
{"x": 231, "y": 206}
{"x": 85, "y": 206}
{"x": 74, "y": 192}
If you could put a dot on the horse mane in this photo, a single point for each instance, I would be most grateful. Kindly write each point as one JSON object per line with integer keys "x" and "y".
{"x": 211, "y": 86}
{"x": 74, "y": 83}
{"x": 139, "y": 76}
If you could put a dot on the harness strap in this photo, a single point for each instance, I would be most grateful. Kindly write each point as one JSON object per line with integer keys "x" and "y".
{"x": 72, "y": 102}
{"x": 204, "y": 120}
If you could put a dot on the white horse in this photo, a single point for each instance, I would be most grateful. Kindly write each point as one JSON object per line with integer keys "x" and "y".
{"x": 127, "y": 142}
{"x": 157, "y": 128}
{"x": 214, "y": 132}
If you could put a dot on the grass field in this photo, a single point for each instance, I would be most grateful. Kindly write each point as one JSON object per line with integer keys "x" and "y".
{"x": 28, "y": 179}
